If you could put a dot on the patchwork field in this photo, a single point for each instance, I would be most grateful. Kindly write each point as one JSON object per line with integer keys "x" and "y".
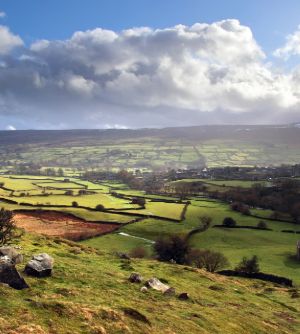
{"x": 139, "y": 226}
{"x": 149, "y": 149}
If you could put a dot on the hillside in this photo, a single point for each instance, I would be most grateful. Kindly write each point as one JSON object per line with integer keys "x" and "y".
{"x": 148, "y": 149}
{"x": 89, "y": 293}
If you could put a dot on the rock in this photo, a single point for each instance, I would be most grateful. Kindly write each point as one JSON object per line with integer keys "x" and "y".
{"x": 170, "y": 292}
{"x": 144, "y": 289}
{"x": 11, "y": 253}
{"x": 135, "y": 278}
{"x": 136, "y": 315}
{"x": 184, "y": 296}
{"x": 156, "y": 284}
{"x": 40, "y": 265}
{"x": 9, "y": 275}
{"x": 123, "y": 256}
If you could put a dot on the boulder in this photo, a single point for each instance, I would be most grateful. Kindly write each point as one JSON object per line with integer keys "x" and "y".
{"x": 11, "y": 253}
{"x": 144, "y": 289}
{"x": 9, "y": 275}
{"x": 123, "y": 256}
{"x": 156, "y": 284}
{"x": 135, "y": 278}
{"x": 170, "y": 292}
{"x": 40, "y": 265}
{"x": 184, "y": 296}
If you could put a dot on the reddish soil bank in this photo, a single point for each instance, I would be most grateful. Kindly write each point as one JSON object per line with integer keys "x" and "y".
{"x": 61, "y": 225}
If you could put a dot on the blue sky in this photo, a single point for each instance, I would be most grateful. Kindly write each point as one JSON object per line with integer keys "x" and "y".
{"x": 92, "y": 63}
{"x": 270, "y": 20}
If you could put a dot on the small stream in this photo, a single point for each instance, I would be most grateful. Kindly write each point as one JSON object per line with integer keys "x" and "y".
{"x": 132, "y": 236}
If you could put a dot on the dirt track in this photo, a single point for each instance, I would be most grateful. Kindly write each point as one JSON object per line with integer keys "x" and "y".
{"x": 60, "y": 225}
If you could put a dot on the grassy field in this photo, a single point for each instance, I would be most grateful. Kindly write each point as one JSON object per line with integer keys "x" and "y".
{"x": 89, "y": 293}
{"x": 274, "y": 248}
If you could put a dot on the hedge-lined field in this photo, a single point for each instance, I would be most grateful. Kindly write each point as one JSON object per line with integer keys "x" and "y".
{"x": 158, "y": 218}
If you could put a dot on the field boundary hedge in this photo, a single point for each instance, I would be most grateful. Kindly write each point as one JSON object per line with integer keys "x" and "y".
{"x": 124, "y": 213}
{"x": 244, "y": 226}
{"x": 262, "y": 276}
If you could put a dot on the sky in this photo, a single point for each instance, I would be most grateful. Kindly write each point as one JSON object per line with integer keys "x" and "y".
{"x": 130, "y": 64}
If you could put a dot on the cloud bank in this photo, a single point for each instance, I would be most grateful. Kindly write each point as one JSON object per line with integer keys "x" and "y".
{"x": 141, "y": 77}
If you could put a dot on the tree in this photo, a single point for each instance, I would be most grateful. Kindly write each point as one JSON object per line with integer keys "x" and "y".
{"x": 69, "y": 192}
{"x": 240, "y": 207}
{"x": 263, "y": 225}
{"x": 100, "y": 207}
{"x": 205, "y": 222}
{"x": 75, "y": 204}
{"x": 209, "y": 260}
{"x": 139, "y": 201}
{"x": 295, "y": 213}
{"x": 174, "y": 247}
{"x": 60, "y": 172}
{"x": 7, "y": 226}
{"x": 249, "y": 266}
{"x": 229, "y": 222}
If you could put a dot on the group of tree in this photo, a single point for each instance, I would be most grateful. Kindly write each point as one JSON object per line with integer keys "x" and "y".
{"x": 240, "y": 207}
{"x": 36, "y": 169}
{"x": 176, "y": 248}
{"x": 283, "y": 196}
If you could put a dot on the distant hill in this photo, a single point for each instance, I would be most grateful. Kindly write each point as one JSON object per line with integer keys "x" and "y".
{"x": 252, "y": 133}
{"x": 178, "y": 147}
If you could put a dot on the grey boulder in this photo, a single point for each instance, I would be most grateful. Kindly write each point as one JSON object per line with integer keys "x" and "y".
{"x": 40, "y": 265}
{"x": 10, "y": 276}
{"x": 156, "y": 284}
{"x": 12, "y": 254}
{"x": 135, "y": 278}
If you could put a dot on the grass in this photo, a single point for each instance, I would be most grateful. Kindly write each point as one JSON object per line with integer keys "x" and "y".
{"x": 168, "y": 210}
{"x": 273, "y": 248}
{"x": 89, "y": 293}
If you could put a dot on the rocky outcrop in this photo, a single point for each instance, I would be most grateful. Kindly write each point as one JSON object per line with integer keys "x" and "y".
{"x": 135, "y": 278}
{"x": 123, "y": 256}
{"x": 170, "y": 292}
{"x": 184, "y": 296}
{"x": 156, "y": 284}
{"x": 9, "y": 274}
{"x": 12, "y": 254}
{"x": 40, "y": 265}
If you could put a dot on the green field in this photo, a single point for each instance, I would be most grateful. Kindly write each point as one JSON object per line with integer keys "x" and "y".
{"x": 274, "y": 248}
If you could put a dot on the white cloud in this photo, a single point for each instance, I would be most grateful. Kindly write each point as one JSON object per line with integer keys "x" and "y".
{"x": 10, "y": 128}
{"x": 291, "y": 47}
{"x": 149, "y": 77}
{"x": 8, "y": 40}
{"x": 2, "y": 14}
